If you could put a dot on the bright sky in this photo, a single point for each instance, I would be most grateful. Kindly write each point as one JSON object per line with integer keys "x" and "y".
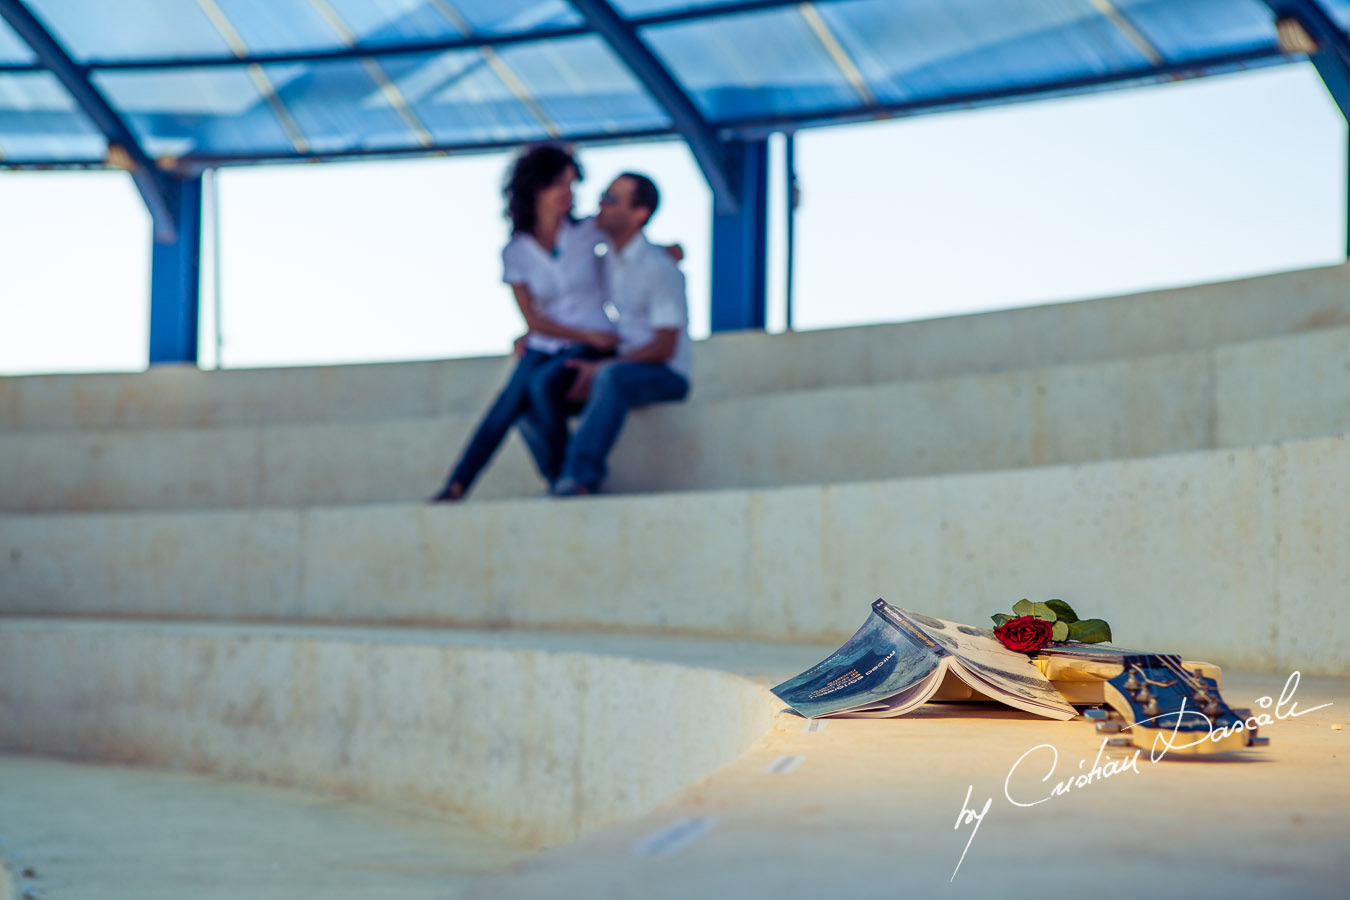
{"x": 939, "y": 215}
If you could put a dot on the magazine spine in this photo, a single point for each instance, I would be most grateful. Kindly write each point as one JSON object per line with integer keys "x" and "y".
{"x": 897, "y": 618}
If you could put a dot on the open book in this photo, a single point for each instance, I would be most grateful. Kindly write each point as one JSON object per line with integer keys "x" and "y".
{"x": 898, "y": 660}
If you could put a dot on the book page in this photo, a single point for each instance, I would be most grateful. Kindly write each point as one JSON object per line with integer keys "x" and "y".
{"x": 991, "y": 668}
{"x": 906, "y": 701}
{"x": 877, "y": 663}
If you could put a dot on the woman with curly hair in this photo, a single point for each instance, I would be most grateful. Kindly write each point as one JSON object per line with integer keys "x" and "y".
{"x": 558, "y": 282}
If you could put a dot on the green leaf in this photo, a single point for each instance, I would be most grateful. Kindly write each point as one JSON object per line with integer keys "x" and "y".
{"x": 1063, "y": 610}
{"x": 1043, "y": 612}
{"x": 1061, "y": 632}
{"x": 1000, "y": 618}
{"x": 1022, "y": 607}
{"x": 1089, "y": 631}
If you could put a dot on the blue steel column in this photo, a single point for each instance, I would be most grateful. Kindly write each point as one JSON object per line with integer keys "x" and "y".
{"x": 1332, "y": 61}
{"x": 175, "y": 281}
{"x": 736, "y": 172}
{"x": 740, "y": 242}
{"x": 790, "y": 167}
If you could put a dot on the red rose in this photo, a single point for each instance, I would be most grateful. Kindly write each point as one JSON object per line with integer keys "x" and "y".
{"x": 1025, "y": 633}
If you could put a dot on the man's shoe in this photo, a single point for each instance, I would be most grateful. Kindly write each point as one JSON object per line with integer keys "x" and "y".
{"x": 569, "y": 487}
{"x": 451, "y": 493}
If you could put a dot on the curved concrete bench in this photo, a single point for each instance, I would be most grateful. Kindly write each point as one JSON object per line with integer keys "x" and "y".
{"x": 535, "y": 738}
{"x": 727, "y": 365}
{"x": 1232, "y": 395}
{"x": 1212, "y": 551}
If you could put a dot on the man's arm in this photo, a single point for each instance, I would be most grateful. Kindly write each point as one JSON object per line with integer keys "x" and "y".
{"x": 538, "y": 323}
{"x": 658, "y": 350}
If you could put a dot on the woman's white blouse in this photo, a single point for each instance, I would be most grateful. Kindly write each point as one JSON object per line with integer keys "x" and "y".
{"x": 568, "y": 286}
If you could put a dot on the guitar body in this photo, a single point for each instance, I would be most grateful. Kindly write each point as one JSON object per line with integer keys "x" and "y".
{"x": 1158, "y": 701}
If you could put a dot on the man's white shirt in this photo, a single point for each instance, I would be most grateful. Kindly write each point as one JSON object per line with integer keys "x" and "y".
{"x": 647, "y": 290}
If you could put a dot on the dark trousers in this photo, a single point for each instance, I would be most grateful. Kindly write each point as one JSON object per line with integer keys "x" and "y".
{"x": 512, "y": 407}
{"x": 618, "y": 387}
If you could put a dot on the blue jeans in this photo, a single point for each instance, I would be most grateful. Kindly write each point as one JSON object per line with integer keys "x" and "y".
{"x": 512, "y": 407}
{"x": 617, "y": 388}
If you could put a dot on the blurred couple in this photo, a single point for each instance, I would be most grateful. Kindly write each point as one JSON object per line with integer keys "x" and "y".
{"x": 565, "y": 274}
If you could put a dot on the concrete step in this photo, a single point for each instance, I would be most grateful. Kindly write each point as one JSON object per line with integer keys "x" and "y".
{"x": 534, "y": 738}
{"x": 727, "y": 365}
{"x": 1226, "y": 396}
{"x": 1237, "y": 555}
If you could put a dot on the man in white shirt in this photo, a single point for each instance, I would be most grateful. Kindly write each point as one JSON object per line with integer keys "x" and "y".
{"x": 654, "y": 356}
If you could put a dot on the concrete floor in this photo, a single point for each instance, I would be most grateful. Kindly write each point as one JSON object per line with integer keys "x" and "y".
{"x": 871, "y": 808}
{"x": 112, "y": 832}
{"x": 863, "y": 808}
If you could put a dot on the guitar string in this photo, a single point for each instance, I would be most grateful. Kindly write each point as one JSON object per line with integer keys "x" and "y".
{"x": 1193, "y": 681}
{"x": 1173, "y": 665}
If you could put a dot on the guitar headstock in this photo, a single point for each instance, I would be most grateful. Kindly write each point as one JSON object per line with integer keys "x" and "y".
{"x": 1163, "y": 707}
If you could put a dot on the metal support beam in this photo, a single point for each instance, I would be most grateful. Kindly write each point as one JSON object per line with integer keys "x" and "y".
{"x": 790, "y": 208}
{"x": 175, "y": 281}
{"x": 123, "y": 148}
{"x": 1331, "y": 57}
{"x": 740, "y": 245}
{"x": 711, "y": 155}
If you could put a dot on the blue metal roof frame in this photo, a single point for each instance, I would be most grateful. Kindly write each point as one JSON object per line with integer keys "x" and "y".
{"x": 1332, "y": 60}
{"x": 170, "y": 88}
{"x": 158, "y": 190}
{"x": 224, "y": 82}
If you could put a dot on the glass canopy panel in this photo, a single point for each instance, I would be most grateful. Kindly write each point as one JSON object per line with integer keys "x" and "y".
{"x": 130, "y": 29}
{"x": 338, "y": 106}
{"x": 789, "y": 71}
{"x": 39, "y": 122}
{"x": 459, "y": 98}
{"x": 378, "y": 23}
{"x": 631, "y": 9}
{"x": 578, "y": 84}
{"x": 12, "y": 47}
{"x": 218, "y": 110}
{"x": 936, "y": 49}
{"x": 496, "y": 17}
{"x": 1186, "y": 30}
{"x": 280, "y": 26}
{"x": 932, "y": 49}
{"x": 383, "y": 23}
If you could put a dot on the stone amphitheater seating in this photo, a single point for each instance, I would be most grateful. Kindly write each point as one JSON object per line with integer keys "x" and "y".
{"x": 1172, "y": 461}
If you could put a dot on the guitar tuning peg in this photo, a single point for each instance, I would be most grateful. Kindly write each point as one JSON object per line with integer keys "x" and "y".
{"x": 1096, "y": 714}
{"x": 1151, "y": 708}
{"x": 1120, "y": 742}
{"x": 1255, "y": 741}
{"x": 1110, "y": 727}
{"x": 1132, "y": 683}
{"x": 1144, "y": 695}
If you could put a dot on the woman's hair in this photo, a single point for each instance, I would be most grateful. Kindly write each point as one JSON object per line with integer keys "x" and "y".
{"x": 534, "y": 170}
